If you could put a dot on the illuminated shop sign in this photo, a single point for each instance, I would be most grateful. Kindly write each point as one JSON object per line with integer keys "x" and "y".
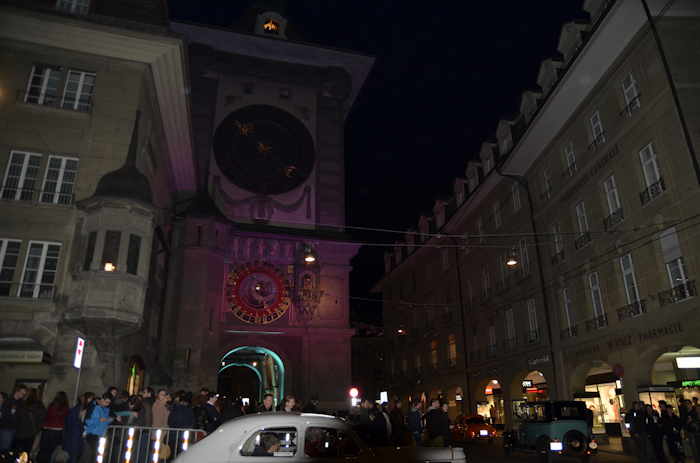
{"x": 693, "y": 383}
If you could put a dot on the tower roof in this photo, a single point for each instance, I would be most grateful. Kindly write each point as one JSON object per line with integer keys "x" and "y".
{"x": 127, "y": 182}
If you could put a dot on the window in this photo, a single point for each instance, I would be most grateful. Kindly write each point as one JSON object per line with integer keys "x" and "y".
{"x": 547, "y": 184}
{"x": 597, "y": 129}
{"x": 558, "y": 240}
{"x": 570, "y": 159}
{"x": 276, "y": 442}
{"x": 630, "y": 89}
{"x": 485, "y": 282}
{"x": 675, "y": 265}
{"x": 59, "y": 180}
{"x": 611, "y": 195}
{"x": 452, "y": 350}
{"x": 110, "y": 252}
{"x": 90, "y": 250}
{"x": 629, "y": 279}
{"x": 74, "y": 6}
{"x": 132, "y": 255}
{"x": 596, "y": 295}
{"x": 581, "y": 218}
{"x": 40, "y": 268}
{"x": 78, "y": 92}
{"x": 524, "y": 257}
{"x": 510, "y": 324}
{"x": 515, "y": 193}
{"x": 20, "y": 176}
{"x": 434, "y": 354}
{"x": 532, "y": 320}
{"x": 42, "y": 87}
{"x": 480, "y": 230}
{"x": 497, "y": 214}
{"x": 488, "y": 162}
{"x": 9, "y": 256}
{"x": 566, "y": 306}
{"x": 650, "y": 165}
{"x": 677, "y": 275}
{"x": 330, "y": 443}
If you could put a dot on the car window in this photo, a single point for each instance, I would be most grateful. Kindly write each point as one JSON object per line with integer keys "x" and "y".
{"x": 571, "y": 412}
{"x": 536, "y": 412}
{"x": 271, "y": 442}
{"x": 329, "y": 443}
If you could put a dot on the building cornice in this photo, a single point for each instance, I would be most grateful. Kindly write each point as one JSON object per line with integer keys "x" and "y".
{"x": 166, "y": 56}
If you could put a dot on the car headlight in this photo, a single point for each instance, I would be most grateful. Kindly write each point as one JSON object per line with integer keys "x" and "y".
{"x": 593, "y": 445}
{"x": 556, "y": 446}
{"x": 575, "y": 443}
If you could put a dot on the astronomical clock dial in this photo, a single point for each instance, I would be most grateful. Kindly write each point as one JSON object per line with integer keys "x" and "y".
{"x": 264, "y": 150}
{"x": 257, "y": 293}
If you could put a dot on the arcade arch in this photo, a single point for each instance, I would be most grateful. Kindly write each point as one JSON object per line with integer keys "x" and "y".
{"x": 252, "y": 370}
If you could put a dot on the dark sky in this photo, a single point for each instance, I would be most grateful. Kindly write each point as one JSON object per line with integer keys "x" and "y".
{"x": 445, "y": 73}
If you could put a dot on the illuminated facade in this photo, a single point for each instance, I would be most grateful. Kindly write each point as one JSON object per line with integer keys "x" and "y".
{"x": 593, "y": 187}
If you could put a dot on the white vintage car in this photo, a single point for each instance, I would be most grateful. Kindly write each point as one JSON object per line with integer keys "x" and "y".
{"x": 308, "y": 437}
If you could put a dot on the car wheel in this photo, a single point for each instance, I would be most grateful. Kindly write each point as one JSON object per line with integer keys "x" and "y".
{"x": 575, "y": 443}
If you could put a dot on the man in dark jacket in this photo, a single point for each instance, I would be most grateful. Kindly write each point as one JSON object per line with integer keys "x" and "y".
{"x": 437, "y": 424}
{"x": 8, "y": 417}
{"x": 181, "y": 414}
{"x": 415, "y": 425}
{"x": 147, "y": 406}
{"x": 268, "y": 404}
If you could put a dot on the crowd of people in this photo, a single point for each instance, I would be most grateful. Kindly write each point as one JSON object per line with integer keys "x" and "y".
{"x": 651, "y": 429}
{"x": 387, "y": 424}
{"x": 26, "y": 425}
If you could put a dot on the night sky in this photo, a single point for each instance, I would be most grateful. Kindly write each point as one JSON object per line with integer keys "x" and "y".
{"x": 445, "y": 73}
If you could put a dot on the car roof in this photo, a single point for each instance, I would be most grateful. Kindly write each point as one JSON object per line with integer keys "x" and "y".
{"x": 283, "y": 419}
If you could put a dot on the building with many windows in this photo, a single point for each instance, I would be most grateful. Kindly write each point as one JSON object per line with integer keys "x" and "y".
{"x": 591, "y": 193}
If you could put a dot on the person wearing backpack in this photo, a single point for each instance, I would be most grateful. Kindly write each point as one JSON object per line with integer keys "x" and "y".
{"x": 97, "y": 420}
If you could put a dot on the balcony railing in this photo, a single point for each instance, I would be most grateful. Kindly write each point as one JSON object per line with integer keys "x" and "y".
{"x": 533, "y": 336}
{"x": 678, "y": 293}
{"x": 569, "y": 332}
{"x": 614, "y": 219}
{"x": 582, "y": 240}
{"x": 632, "y": 310}
{"x": 26, "y": 290}
{"x": 558, "y": 257}
{"x": 596, "y": 323}
{"x": 654, "y": 190}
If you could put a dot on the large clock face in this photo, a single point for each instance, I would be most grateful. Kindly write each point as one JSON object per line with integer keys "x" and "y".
{"x": 264, "y": 150}
{"x": 257, "y": 293}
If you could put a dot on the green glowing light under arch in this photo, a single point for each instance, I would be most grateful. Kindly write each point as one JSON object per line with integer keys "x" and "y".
{"x": 258, "y": 350}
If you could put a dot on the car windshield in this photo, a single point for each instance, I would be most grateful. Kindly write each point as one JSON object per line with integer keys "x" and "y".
{"x": 568, "y": 412}
{"x": 475, "y": 420}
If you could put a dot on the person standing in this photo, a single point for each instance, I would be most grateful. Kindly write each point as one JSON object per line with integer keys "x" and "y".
{"x": 693, "y": 429}
{"x": 415, "y": 421}
{"x": 398, "y": 424}
{"x": 635, "y": 419}
{"x": 97, "y": 420}
{"x": 670, "y": 426}
{"x": 267, "y": 405}
{"x": 213, "y": 416}
{"x": 73, "y": 428}
{"x": 8, "y": 417}
{"x": 437, "y": 425}
{"x": 161, "y": 410}
{"x": 655, "y": 433}
{"x": 30, "y": 417}
{"x": 52, "y": 429}
{"x": 181, "y": 415}
{"x": 289, "y": 405}
{"x": 147, "y": 407}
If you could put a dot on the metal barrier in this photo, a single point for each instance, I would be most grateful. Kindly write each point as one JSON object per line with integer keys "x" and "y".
{"x": 136, "y": 444}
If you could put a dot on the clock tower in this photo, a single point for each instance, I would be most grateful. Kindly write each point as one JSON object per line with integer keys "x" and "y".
{"x": 261, "y": 270}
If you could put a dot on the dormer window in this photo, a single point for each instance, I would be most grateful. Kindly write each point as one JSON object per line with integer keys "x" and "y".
{"x": 271, "y": 27}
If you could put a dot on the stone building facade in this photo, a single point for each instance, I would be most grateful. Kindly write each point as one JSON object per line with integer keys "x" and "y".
{"x": 176, "y": 197}
{"x": 592, "y": 187}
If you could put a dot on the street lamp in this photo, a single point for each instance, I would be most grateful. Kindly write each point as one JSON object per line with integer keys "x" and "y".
{"x": 512, "y": 259}
{"x": 309, "y": 256}
{"x": 110, "y": 267}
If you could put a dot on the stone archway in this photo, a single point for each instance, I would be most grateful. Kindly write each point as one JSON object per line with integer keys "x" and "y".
{"x": 489, "y": 398}
{"x": 266, "y": 365}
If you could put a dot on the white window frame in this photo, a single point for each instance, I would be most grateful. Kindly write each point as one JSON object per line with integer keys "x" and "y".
{"x": 596, "y": 295}
{"x": 628, "y": 271}
{"x": 497, "y": 220}
{"x": 4, "y": 242}
{"x": 630, "y": 90}
{"x": 40, "y": 269}
{"x": 680, "y": 265}
{"x": 515, "y": 193}
{"x": 59, "y": 181}
{"x": 566, "y": 305}
{"x": 581, "y": 218}
{"x": 524, "y": 256}
{"x": 597, "y": 130}
{"x": 44, "y": 84}
{"x": 510, "y": 323}
{"x": 532, "y": 317}
{"x": 79, "y": 91}
{"x": 651, "y": 162}
{"x": 22, "y": 175}
{"x": 570, "y": 158}
{"x": 612, "y": 195}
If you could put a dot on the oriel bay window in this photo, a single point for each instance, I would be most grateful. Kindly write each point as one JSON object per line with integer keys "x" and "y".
{"x": 113, "y": 251}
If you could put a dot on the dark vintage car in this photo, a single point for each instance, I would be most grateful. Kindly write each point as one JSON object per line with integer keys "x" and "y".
{"x": 551, "y": 429}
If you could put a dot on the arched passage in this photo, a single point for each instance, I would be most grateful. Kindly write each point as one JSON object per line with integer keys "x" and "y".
{"x": 489, "y": 401}
{"x": 675, "y": 374}
{"x": 252, "y": 369}
{"x": 602, "y": 394}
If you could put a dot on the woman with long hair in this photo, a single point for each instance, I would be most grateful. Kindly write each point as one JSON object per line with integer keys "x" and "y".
{"x": 289, "y": 405}
{"x": 52, "y": 429}
{"x": 73, "y": 429}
